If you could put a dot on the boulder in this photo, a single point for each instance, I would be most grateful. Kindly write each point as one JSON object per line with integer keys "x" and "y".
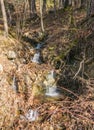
{"x": 11, "y": 55}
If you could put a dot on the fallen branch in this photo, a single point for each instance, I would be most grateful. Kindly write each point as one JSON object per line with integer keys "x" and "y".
{"x": 67, "y": 90}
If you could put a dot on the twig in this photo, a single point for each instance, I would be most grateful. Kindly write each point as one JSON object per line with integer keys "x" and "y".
{"x": 70, "y": 92}
{"x": 81, "y": 65}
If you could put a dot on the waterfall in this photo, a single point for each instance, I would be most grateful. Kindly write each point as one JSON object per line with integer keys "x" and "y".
{"x": 51, "y": 87}
{"x": 36, "y": 58}
{"x": 52, "y": 91}
{"x": 32, "y": 115}
{"x": 39, "y": 46}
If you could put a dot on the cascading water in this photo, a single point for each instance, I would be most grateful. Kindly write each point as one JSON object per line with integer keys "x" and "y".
{"x": 51, "y": 75}
{"x": 36, "y": 58}
{"x": 51, "y": 88}
{"x": 52, "y": 91}
{"x": 39, "y": 46}
{"x": 32, "y": 115}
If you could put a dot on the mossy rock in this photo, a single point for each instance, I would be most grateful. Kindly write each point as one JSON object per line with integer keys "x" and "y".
{"x": 38, "y": 90}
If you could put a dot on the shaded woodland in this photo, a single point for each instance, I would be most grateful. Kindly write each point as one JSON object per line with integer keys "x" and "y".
{"x": 46, "y": 64}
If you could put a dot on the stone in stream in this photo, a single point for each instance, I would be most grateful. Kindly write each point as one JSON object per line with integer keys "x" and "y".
{"x": 11, "y": 55}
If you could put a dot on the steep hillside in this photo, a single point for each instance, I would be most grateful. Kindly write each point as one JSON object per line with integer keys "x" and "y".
{"x": 64, "y": 66}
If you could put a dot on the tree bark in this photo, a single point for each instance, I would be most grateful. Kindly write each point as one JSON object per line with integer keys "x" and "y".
{"x": 44, "y": 6}
{"x": 66, "y": 3}
{"x": 41, "y": 15}
{"x": 61, "y": 2}
{"x": 54, "y": 7}
{"x": 90, "y": 9}
{"x": 4, "y": 17}
{"x": 32, "y": 6}
{"x": 83, "y": 3}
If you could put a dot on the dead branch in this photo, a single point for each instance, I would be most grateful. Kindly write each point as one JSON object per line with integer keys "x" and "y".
{"x": 80, "y": 67}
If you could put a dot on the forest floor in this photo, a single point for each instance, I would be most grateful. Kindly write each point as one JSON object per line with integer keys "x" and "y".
{"x": 69, "y": 49}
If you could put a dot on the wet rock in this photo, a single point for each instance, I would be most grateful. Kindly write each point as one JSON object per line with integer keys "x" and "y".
{"x": 11, "y": 55}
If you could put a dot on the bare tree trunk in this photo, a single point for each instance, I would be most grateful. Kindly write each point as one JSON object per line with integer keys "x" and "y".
{"x": 61, "y": 2}
{"x": 32, "y": 6}
{"x": 70, "y": 2}
{"x": 55, "y": 7}
{"x": 44, "y": 6}
{"x": 90, "y": 9}
{"x": 83, "y": 3}
{"x": 78, "y": 3}
{"x": 41, "y": 15}
{"x": 73, "y": 3}
{"x": 66, "y": 3}
{"x": 10, "y": 9}
{"x": 4, "y": 17}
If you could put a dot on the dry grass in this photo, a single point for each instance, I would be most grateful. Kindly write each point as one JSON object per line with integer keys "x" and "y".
{"x": 64, "y": 113}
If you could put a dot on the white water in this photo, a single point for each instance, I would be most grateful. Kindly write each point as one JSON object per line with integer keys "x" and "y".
{"x": 38, "y": 46}
{"x": 32, "y": 115}
{"x": 52, "y": 91}
{"x": 51, "y": 88}
{"x": 51, "y": 75}
{"x": 36, "y": 58}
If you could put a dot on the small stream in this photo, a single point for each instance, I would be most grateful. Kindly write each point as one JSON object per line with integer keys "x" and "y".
{"x": 36, "y": 58}
{"x": 49, "y": 84}
{"x": 52, "y": 91}
{"x": 51, "y": 87}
